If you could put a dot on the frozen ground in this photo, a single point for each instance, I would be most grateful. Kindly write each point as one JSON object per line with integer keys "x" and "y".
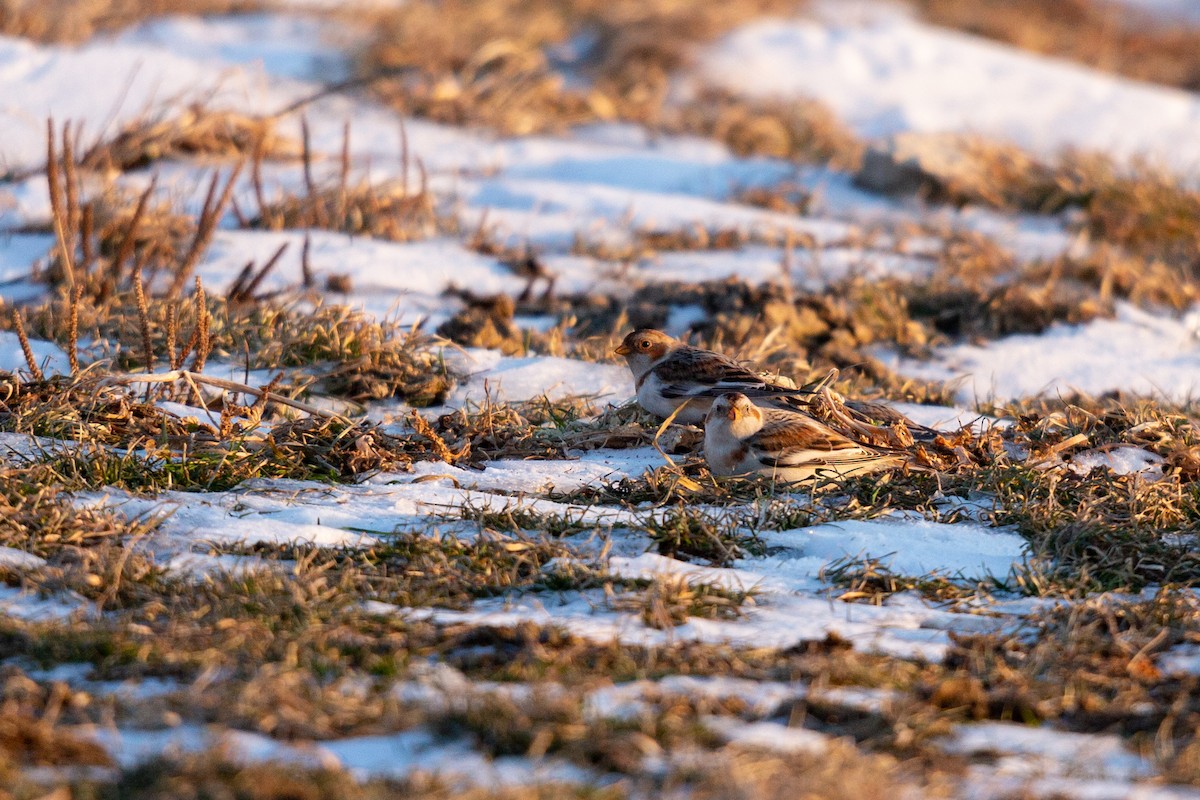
{"x": 883, "y": 75}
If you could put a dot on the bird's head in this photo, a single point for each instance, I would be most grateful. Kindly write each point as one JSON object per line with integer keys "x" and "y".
{"x": 734, "y": 407}
{"x": 645, "y": 345}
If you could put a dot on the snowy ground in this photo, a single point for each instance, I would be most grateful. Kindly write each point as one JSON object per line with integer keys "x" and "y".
{"x": 882, "y": 74}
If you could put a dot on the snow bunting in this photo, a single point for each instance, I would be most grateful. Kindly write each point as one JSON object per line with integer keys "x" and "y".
{"x": 741, "y": 438}
{"x": 669, "y": 373}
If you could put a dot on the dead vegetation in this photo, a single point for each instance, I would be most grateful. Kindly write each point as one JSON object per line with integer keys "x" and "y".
{"x": 1102, "y": 34}
{"x": 288, "y": 648}
{"x": 400, "y": 211}
{"x": 505, "y": 66}
{"x": 71, "y": 21}
{"x": 195, "y": 131}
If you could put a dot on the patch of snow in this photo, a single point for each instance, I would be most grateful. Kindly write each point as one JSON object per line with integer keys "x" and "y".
{"x": 19, "y": 252}
{"x": 516, "y": 378}
{"x": 1177, "y": 11}
{"x": 1181, "y": 660}
{"x": 396, "y": 755}
{"x": 12, "y": 558}
{"x": 891, "y": 74}
{"x": 1137, "y": 351}
{"x": 25, "y": 605}
{"x": 768, "y": 736}
{"x": 284, "y": 46}
{"x": 1038, "y": 751}
{"x": 867, "y": 699}
{"x": 221, "y": 518}
{"x": 627, "y": 701}
{"x": 49, "y": 356}
{"x": 1127, "y": 460}
{"x": 908, "y": 546}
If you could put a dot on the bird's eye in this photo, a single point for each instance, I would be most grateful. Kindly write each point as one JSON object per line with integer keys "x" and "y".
{"x": 645, "y": 345}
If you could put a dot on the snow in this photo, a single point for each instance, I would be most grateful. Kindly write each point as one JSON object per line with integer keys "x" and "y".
{"x": 14, "y": 559}
{"x": 1182, "y": 660}
{"x": 26, "y": 605}
{"x": 1029, "y": 750}
{"x": 1167, "y": 11}
{"x": 768, "y": 736}
{"x": 513, "y": 379}
{"x": 396, "y": 755}
{"x": 908, "y": 546}
{"x": 18, "y": 252}
{"x": 1138, "y": 351}
{"x": 604, "y": 184}
{"x": 625, "y": 702}
{"x": 888, "y": 74}
{"x": 1119, "y": 461}
{"x": 124, "y": 81}
{"x": 789, "y": 599}
{"x": 278, "y": 45}
{"x": 49, "y": 357}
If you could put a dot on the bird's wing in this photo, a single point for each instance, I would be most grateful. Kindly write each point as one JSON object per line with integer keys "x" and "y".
{"x": 883, "y": 414}
{"x": 787, "y": 440}
{"x": 692, "y": 372}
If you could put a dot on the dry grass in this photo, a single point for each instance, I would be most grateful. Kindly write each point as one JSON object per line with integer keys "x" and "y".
{"x": 1105, "y": 35}
{"x": 102, "y": 247}
{"x": 38, "y": 517}
{"x": 328, "y": 350}
{"x": 196, "y": 131}
{"x": 492, "y": 68}
{"x": 401, "y": 211}
{"x": 872, "y": 581}
{"x": 286, "y": 648}
{"x": 671, "y": 600}
{"x": 120, "y": 440}
{"x": 75, "y": 21}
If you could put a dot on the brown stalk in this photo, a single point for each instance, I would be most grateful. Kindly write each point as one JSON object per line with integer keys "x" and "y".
{"x": 26, "y": 349}
{"x": 344, "y": 176}
{"x": 73, "y": 329}
{"x": 320, "y": 220}
{"x": 204, "y": 342}
{"x": 87, "y": 226}
{"x": 57, "y": 212}
{"x": 440, "y": 448}
{"x": 256, "y": 181}
{"x": 139, "y": 295}
{"x": 70, "y": 183}
{"x": 126, "y": 248}
{"x": 188, "y": 347}
{"x": 306, "y": 264}
{"x": 235, "y": 290}
{"x": 262, "y": 273}
{"x": 259, "y": 407}
{"x": 172, "y": 333}
{"x": 404, "y": 157}
{"x": 210, "y": 216}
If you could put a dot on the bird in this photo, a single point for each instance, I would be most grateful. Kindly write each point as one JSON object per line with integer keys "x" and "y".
{"x": 741, "y": 438}
{"x": 670, "y": 374}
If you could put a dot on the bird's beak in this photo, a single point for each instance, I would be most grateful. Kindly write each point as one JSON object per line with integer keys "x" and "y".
{"x": 732, "y": 414}
{"x": 623, "y": 350}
